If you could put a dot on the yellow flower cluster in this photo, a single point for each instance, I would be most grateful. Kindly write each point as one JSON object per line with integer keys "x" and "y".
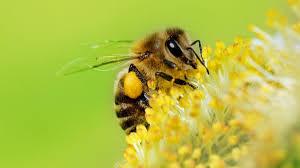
{"x": 244, "y": 114}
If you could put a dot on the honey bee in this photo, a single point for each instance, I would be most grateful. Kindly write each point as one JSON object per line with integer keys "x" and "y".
{"x": 161, "y": 57}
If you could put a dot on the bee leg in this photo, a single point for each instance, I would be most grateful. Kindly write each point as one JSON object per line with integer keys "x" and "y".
{"x": 133, "y": 68}
{"x": 164, "y": 76}
{"x": 144, "y": 100}
{"x": 169, "y": 64}
{"x": 176, "y": 81}
{"x": 183, "y": 82}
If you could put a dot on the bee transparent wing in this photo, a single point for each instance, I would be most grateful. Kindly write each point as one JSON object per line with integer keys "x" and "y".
{"x": 109, "y": 44}
{"x": 101, "y": 56}
{"x": 101, "y": 63}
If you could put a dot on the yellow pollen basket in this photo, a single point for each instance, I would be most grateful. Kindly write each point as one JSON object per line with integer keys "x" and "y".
{"x": 133, "y": 87}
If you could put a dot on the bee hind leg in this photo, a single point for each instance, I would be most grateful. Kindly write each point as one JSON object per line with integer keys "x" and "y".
{"x": 144, "y": 100}
{"x": 133, "y": 68}
{"x": 176, "y": 80}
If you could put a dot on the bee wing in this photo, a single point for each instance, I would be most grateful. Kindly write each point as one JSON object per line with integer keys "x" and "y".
{"x": 101, "y": 63}
{"x": 109, "y": 44}
{"x": 101, "y": 56}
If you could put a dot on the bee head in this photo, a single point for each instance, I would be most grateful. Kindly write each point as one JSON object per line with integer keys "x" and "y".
{"x": 177, "y": 44}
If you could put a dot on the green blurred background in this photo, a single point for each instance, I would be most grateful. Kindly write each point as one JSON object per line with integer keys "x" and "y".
{"x": 69, "y": 122}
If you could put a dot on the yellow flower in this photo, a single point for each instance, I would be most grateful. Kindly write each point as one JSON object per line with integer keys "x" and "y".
{"x": 243, "y": 115}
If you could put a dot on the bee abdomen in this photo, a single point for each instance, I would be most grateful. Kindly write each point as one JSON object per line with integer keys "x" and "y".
{"x": 131, "y": 101}
{"x": 130, "y": 112}
{"x": 130, "y": 115}
{"x": 126, "y": 112}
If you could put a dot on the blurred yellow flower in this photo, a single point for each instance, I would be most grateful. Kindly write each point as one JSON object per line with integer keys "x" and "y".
{"x": 244, "y": 113}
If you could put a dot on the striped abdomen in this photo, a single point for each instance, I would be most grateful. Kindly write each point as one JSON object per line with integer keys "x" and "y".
{"x": 130, "y": 111}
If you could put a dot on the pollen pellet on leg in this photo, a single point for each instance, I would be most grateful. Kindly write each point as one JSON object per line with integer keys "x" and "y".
{"x": 133, "y": 87}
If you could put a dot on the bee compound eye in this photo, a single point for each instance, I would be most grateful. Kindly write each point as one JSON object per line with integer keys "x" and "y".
{"x": 173, "y": 47}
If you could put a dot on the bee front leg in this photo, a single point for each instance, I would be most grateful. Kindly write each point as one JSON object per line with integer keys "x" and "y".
{"x": 176, "y": 80}
{"x": 169, "y": 64}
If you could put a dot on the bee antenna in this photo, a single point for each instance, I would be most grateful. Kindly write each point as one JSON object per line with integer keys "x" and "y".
{"x": 199, "y": 58}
